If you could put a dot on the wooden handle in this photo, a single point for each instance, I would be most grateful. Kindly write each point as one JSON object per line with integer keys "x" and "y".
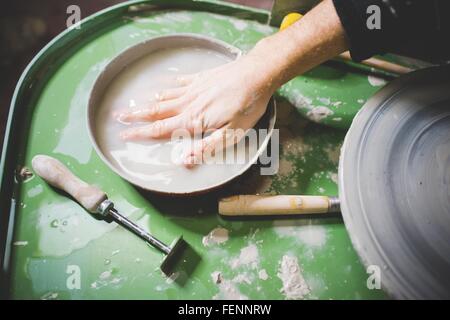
{"x": 252, "y": 205}
{"x": 57, "y": 175}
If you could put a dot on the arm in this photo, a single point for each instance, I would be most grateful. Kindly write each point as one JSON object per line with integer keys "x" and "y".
{"x": 317, "y": 37}
{"x": 235, "y": 95}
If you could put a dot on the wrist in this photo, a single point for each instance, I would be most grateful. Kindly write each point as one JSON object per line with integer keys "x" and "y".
{"x": 265, "y": 65}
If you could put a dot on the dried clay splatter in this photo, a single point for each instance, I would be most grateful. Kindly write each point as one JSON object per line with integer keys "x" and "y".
{"x": 33, "y": 192}
{"x": 229, "y": 291}
{"x": 333, "y": 153}
{"x": 294, "y": 149}
{"x": 105, "y": 279}
{"x": 319, "y": 113}
{"x": 50, "y": 296}
{"x": 248, "y": 256}
{"x": 308, "y": 233}
{"x": 262, "y": 274}
{"x": 227, "y": 288}
{"x": 242, "y": 278}
{"x": 376, "y": 81}
{"x": 294, "y": 285}
{"x": 20, "y": 243}
{"x": 218, "y": 235}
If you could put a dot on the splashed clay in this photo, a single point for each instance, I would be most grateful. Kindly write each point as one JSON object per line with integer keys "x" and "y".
{"x": 229, "y": 291}
{"x": 376, "y": 81}
{"x": 216, "y": 236}
{"x": 249, "y": 256}
{"x": 294, "y": 285}
{"x": 262, "y": 274}
{"x": 308, "y": 233}
{"x": 319, "y": 113}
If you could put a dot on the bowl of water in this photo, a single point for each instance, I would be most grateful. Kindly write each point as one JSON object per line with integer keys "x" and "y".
{"x": 133, "y": 78}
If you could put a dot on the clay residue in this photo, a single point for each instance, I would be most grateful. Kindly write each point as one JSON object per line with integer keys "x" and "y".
{"x": 106, "y": 278}
{"x": 325, "y": 101}
{"x": 300, "y": 101}
{"x": 33, "y": 192}
{"x": 20, "y": 243}
{"x": 334, "y": 177}
{"x": 248, "y": 256}
{"x": 229, "y": 291}
{"x": 262, "y": 274}
{"x": 376, "y": 81}
{"x": 242, "y": 278}
{"x": 294, "y": 285}
{"x": 216, "y": 236}
{"x": 239, "y": 24}
{"x": 50, "y": 296}
{"x": 319, "y": 113}
{"x": 333, "y": 153}
{"x": 285, "y": 167}
{"x": 306, "y": 232}
{"x": 105, "y": 275}
{"x": 293, "y": 144}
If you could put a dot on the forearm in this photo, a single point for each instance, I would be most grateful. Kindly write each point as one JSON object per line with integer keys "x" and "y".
{"x": 317, "y": 37}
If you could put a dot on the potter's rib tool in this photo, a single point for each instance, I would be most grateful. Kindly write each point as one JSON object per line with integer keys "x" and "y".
{"x": 253, "y": 205}
{"x": 95, "y": 201}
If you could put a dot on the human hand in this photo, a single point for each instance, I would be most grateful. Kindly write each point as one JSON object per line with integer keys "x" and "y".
{"x": 225, "y": 101}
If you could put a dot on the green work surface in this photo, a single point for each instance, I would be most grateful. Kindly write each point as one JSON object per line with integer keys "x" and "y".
{"x": 54, "y": 237}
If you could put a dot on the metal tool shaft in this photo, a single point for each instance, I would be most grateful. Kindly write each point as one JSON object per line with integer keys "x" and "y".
{"x": 90, "y": 197}
{"x": 137, "y": 230}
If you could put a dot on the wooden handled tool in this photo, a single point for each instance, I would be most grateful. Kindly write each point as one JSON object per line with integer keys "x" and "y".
{"x": 57, "y": 175}
{"x": 252, "y": 205}
{"x": 95, "y": 201}
{"x": 376, "y": 63}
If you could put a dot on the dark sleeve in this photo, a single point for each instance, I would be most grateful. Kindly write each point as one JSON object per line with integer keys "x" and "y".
{"x": 416, "y": 28}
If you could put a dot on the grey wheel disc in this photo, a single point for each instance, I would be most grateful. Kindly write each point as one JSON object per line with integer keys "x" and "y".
{"x": 394, "y": 184}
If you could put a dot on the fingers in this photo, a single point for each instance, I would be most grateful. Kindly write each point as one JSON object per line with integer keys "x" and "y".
{"x": 157, "y": 111}
{"x": 185, "y": 79}
{"x": 170, "y": 94}
{"x": 205, "y": 146}
{"x": 157, "y": 130}
{"x": 218, "y": 141}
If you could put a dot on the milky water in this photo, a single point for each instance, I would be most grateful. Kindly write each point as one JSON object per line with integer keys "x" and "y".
{"x": 153, "y": 163}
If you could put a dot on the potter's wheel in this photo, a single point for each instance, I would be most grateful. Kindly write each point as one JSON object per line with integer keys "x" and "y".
{"x": 394, "y": 184}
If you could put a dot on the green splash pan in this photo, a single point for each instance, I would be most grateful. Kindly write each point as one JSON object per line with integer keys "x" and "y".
{"x": 52, "y": 249}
